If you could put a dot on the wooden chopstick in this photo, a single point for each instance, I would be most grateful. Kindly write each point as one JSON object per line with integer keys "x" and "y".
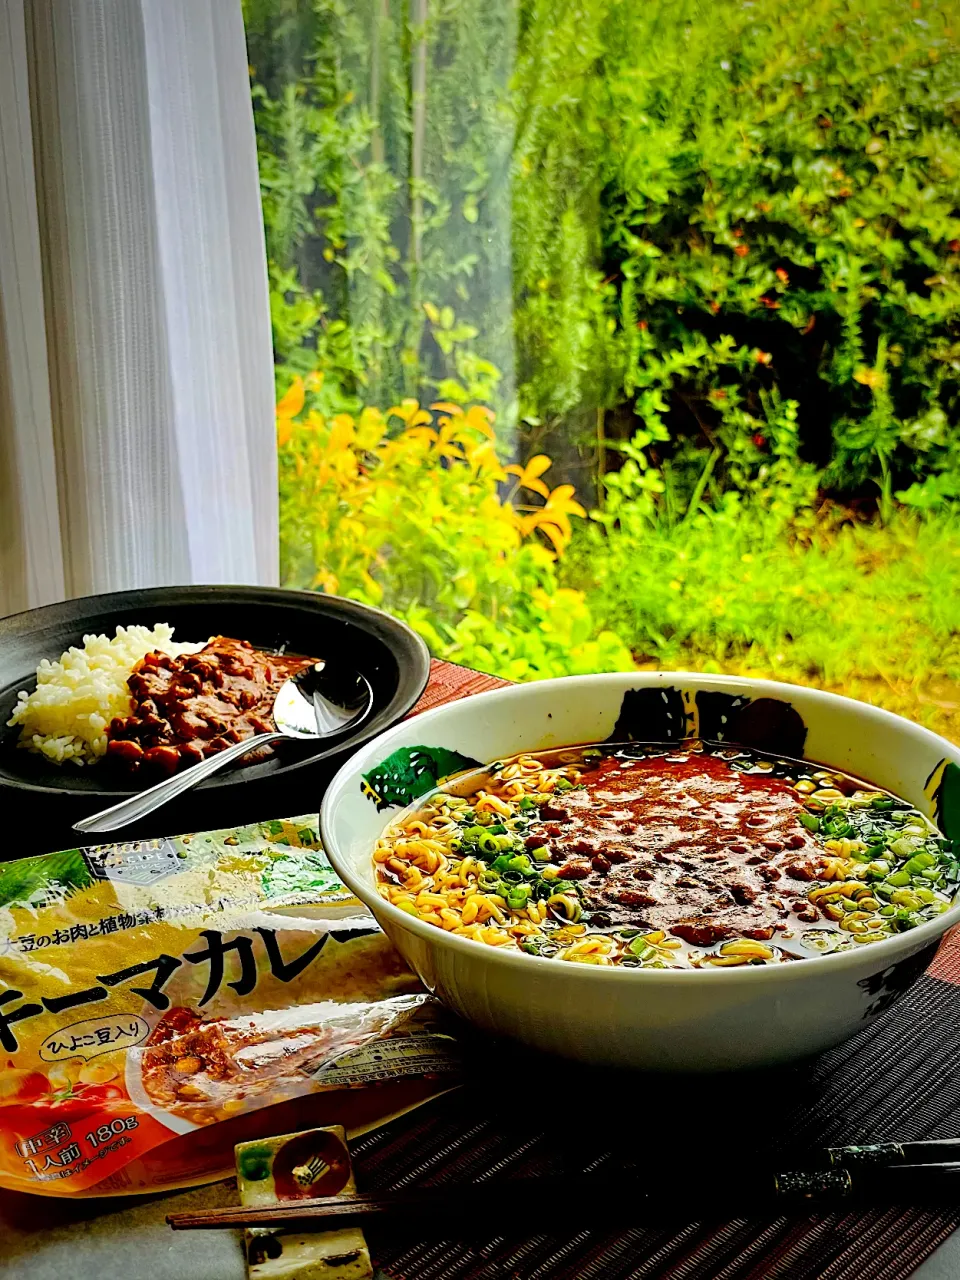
{"x": 448, "y": 1202}
{"x": 497, "y": 1203}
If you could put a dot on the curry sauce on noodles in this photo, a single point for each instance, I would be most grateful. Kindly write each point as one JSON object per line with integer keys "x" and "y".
{"x": 657, "y": 856}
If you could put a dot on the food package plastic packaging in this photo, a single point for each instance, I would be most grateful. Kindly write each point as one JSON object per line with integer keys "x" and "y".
{"x": 163, "y": 1000}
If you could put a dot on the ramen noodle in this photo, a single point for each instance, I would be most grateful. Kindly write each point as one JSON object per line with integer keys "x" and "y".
{"x": 164, "y": 1000}
{"x": 666, "y": 856}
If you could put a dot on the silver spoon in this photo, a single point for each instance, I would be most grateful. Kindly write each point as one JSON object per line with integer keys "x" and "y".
{"x": 319, "y": 702}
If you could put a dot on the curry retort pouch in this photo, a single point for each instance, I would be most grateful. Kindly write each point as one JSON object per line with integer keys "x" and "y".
{"x": 164, "y": 1000}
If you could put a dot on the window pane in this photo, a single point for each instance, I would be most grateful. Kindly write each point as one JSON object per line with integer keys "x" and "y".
{"x": 613, "y": 334}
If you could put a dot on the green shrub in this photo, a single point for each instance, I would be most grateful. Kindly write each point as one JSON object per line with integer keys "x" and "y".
{"x": 385, "y": 216}
{"x": 738, "y": 198}
{"x": 404, "y": 509}
{"x": 871, "y": 609}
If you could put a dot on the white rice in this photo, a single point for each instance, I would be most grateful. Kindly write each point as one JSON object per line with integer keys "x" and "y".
{"x": 67, "y": 716}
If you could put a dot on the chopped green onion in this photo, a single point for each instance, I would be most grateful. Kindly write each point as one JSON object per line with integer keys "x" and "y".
{"x": 919, "y": 862}
{"x": 907, "y": 899}
{"x": 905, "y": 846}
{"x": 517, "y": 897}
{"x": 517, "y": 862}
{"x": 566, "y": 905}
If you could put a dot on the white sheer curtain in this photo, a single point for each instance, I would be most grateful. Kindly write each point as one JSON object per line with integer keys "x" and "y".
{"x": 137, "y": 443}
{"x": 31, "y": 562}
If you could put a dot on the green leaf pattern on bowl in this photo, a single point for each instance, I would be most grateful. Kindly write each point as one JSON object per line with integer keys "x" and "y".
{"x": 410, "y": 772}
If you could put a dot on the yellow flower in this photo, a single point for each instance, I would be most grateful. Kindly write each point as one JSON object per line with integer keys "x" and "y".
{"x": 326, "y": 581}
{"x": 410, "y": 412}
{"x": 528, "y": 477}
{"x": 371, "y": 428}
{"x": 288, "y": 406}
{"x": 341, "y": 433}
{"x": 480, "y": 418}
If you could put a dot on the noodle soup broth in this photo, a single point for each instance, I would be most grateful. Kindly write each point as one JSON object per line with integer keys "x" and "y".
{"x": 684, "y": 855}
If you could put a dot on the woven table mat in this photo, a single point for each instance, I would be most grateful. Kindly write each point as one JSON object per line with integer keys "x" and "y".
{"x": 520, "y": 1115}
{"x": 449, "y": 683}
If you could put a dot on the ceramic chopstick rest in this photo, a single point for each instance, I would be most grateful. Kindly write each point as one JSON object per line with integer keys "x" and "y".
{"x": 283, "y": 1170}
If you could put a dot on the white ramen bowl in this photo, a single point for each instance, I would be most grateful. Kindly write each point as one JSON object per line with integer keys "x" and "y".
{"x": 674, "y": 1020}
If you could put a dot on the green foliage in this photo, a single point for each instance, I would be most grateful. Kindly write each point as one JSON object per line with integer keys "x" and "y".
{"x": 868, "y": 609}
{"x": 701, "y": 202}
{"x": 383, "y": 206}
{"x": 769, "y": 197}
{"x": 553, "y": 633}
{"x": 404, "y": 509}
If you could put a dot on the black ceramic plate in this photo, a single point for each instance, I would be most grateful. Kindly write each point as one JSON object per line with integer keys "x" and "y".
{"x": 388, "y": 653}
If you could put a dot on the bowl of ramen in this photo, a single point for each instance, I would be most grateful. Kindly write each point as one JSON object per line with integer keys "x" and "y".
{"x": 659, "y": 870}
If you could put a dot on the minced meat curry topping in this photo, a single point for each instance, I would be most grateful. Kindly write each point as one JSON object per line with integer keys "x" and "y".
{"x": 189, "y": 707}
